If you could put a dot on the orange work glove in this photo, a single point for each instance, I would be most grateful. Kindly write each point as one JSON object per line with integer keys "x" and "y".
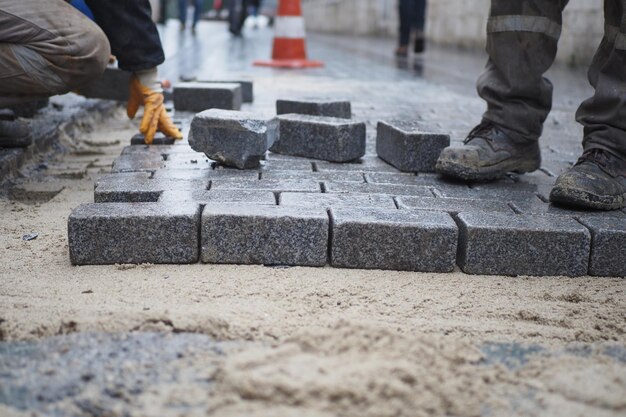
{"x": 155, "y": 118}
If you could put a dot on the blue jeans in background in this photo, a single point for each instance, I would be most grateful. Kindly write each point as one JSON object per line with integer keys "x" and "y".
{"x": 197, "y": 12}
{"x": 412, "y": 16}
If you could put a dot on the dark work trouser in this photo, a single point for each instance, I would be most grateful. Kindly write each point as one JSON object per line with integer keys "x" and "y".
{"x": 412, "y": 16}
{"x": 522, "y": 38}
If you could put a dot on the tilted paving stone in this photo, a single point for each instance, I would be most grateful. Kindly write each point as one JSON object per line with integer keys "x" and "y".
{"x": 138, "y": 162}
{"x": 453, "y": 205}
{"x": 300, "y": 186}
{"x": 269, "y": 235}
{"x": 318, "y": 176}
{"x": 237, "y": 139}
{"x": 125, "y": 188}
{"x": 407, "y": 147}
{"x": 393, "y": 239}
{"x": 326, "y": 138}
{"x": 247, "y": 87}
{"x": 315, "y": 107}
{"x": 608, "y": 246}
{"x": 365, "y": 164}
{"x": 205, "y": 197}
{"x": 390, "y": 189}
{"x": 109, "y": 233}
{"x": 501, "y": 244}
{"x": 327, "y": 201}
{"x": 197, "y": 97}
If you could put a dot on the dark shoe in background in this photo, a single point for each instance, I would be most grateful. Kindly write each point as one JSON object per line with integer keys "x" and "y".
{"x": 402, "y": 51}
{"x": 488, "y": 154}
{"x": 597, "y": 181}
{"x": 420, "y": 44}
{"x": 14, "y": 133}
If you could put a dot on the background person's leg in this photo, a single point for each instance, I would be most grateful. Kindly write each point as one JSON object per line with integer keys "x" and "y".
{"x": 197, "y": 11}
{"x": 47, "y": 48}
{"x": 522, "y": 41}
{"x": 182, "y": 12}
{"x": 405, "y": 10}
{"x": 604, "y": 114}
{"x": 420, "y": 24}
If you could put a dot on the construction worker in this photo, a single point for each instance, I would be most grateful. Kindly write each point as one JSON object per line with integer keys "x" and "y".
{"x": 522, "y": 40}
{"x": 47, "y": 47}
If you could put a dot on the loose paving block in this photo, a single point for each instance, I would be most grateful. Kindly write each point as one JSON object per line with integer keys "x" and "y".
{"x": 159, "y": 139}
{"x": 198, "y": 97}
{"x": 408, "y": 148}
{"x": 315, "y": 107}
{"x": 327, "y": 201}
{"x": 502, "y": 244}
{"x": 317, "y": 176}
{"x": 237, "y": 139}
{"x": 113, "y": 85}
{"x": 247, "y": 87}
{"x": 608, "y": 246}
{"x": 330, "y": 139}
{"x": 452, "y": 205}
{"x": 205, "y": 197}
{"x": 390, "y": 189}
{"x": 393, "y": 239}
{"x": 365, "y": 164}
{"x": 131, "y": 187}
{"x": 138, "y": 162}
{"x": 109, "y": 233}
{"x": 298, "y": 186}
{"x": 268, "y": 235}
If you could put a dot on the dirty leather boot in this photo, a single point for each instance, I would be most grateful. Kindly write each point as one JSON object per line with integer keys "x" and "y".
{"x": 597, "y": 181}
{"x": 488, "y": 153}
{"x": 13, "y": 133}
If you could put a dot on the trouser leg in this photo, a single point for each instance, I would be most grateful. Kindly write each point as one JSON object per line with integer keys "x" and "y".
{"x": 407, "y": 13}
{"x": 604, "y": 115}
{"x": 197, "y": 11}
{"x": 46, "y": 48}
{"x": 420, "y": 15}
{"x": 133, "y": 35}
{"x": 522, "y": 38}
{"x": 182, "y": 11}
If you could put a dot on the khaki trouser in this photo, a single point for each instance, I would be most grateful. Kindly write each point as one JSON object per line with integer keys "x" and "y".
{"x": 522, "y": 38}
{"x": 47, "y": 47}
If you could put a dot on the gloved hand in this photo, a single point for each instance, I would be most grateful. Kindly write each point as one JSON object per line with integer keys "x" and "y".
{"x": 155, "y": 118}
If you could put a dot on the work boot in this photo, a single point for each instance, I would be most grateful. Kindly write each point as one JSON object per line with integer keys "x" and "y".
{"x": 488, "y": 154}
{"x": 597, "y": 181}
{"x": 13, "y": 133}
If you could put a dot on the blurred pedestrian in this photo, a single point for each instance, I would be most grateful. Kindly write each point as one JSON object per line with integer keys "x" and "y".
{"x": 412, "y": 18}
{"x": 183, "y": 5}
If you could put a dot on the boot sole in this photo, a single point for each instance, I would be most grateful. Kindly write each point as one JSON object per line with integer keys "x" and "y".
{"x": 494, "y": 172}
{"x": 585, "y": 200}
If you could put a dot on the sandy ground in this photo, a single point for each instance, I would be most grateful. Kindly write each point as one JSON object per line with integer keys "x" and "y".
{"x": 320, "y": 341}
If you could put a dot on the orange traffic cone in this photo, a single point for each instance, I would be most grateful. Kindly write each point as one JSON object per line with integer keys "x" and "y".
{"x": 289, "y": 39}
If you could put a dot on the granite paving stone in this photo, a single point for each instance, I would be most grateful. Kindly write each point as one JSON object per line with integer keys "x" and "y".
{"x": 238, "y": 139}
{"x": 197, "y": 97}
{"x": 453, "y": 191}
{"x": 297, "y": 165}
{"x": 204, "y": 173}
{"x": 109, "y": 233}
{"x": 337, "y": 200}
{"x": 502, "y": 244}
{"x": 247, "y": 87}
{"x": 159, "y": 139}
{"x": 365, "y": 164}
{"x": 138, "y": 162}
{"x": 318, "y": 176}
{"x": 205, "y": 197}
{"x": 326, "y": 138}
{"x": 407, "y": 147}
{"x": 390, "y": 189}
{"x": 453, "y": 205}
{"x": 299, "y": 186}
{"x": 269, "y": 235}
{"x": 393, "y": 239}
{"x": 537, "y": 206}
{"x": 608, "y": 246}
{"x": 124, "y": 188}
{"x": 315, "y": 107}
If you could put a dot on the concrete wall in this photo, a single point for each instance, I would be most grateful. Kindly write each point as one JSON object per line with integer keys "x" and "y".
{"x": 453, "y": 22}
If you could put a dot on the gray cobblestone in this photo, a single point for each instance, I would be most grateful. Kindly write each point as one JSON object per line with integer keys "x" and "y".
{"x": 232, "y": 138}
{"x": 608, "y": 246}
{"x": 315, "y": 107}
{"x": 452, "y": 205}
{"x": 108, "y": 233}
{"x": 393, "y": 239}
{"x": 159, "y": 139}
{"x": 537, "y": 206}
{"x": 291, "y": 165}
{"x": 306, "y": 186}
{"x": 502, "y": 194}
{"x": 205, "y": 197}
{"x": 390, "y": 189}
{"x": 247, "y": 87}
{"x": 327, "y": 201}
{"x": 317, "y": 176}
{"x": 325, "y": 138}
{"x": 133, "y": 188}
{"x": 205, "y": 173}
{"x": 197, "y": 97}
{"x": 138, "y": 162}
{"x": 157, "y": 149}
{"x": 264, "y": 235}
{"x": 501, "y": 244}
{"x": 365, "y": 164}
{"x": 408, "y": 148}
